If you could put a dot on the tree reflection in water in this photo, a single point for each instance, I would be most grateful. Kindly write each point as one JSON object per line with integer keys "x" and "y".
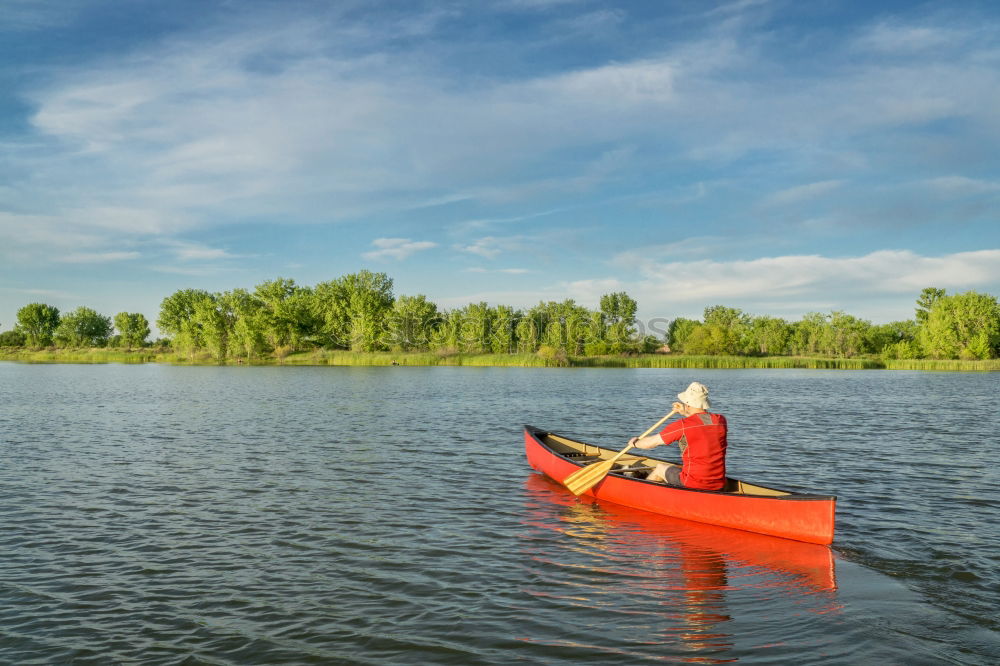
{"x": 643, "y": 582}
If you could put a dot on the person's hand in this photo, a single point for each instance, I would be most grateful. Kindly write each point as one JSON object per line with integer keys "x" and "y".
{"x": 679, "y": 407}
{"x": 633, "y": 441}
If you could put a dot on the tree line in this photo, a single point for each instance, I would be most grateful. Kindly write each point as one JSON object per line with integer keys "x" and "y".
{"x": 359, "y": 312}
{"x": 957, "y": 326}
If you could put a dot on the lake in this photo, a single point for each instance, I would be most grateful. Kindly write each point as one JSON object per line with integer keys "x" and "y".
{"x": 260, "y": 515}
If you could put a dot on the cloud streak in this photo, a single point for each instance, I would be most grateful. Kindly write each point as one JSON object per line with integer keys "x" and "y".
{"x": 396, "y": 249}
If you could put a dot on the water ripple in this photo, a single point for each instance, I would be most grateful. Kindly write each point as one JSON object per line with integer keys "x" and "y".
{"x": 165, "y": 515}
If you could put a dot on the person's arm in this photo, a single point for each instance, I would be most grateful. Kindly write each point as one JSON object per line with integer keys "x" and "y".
{"x": 647, "y": 442}
{"x": 665, "y": 436}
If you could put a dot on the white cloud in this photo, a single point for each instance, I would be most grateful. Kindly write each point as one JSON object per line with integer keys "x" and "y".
{"x": 491, "y": 247}
{"x": 905, "y": 38}
{"x": 806, "y": 192}
{"x": 396, "y": 248}
{"x": 96, "y": 257}
{"x": 696, "y": 246}
{"x": 842, "y": 282}
{"x": 47, "y": 293}
{"x": 961, "y": 185}
{"x": 187, "y": 251}
{"x": 507, "y": 271}
{"x": 487, "y": 246}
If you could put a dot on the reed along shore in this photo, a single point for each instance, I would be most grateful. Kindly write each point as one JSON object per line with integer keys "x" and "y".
{"x": 348, "y": 358}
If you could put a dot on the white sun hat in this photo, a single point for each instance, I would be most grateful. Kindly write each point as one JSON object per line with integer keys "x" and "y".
{"x": 696, "y": 395}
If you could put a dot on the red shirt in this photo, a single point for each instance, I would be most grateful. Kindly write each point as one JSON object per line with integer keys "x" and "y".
{"x": 702, "y": 440}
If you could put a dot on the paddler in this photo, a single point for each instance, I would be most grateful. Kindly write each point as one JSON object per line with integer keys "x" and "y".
{"x": 701, "y": 437}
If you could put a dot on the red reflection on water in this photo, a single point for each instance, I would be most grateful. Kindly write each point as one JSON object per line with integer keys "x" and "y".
{"x": 684, "y": 568}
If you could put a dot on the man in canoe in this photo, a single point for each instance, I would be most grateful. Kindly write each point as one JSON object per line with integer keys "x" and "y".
{"x": 701, "y": 437}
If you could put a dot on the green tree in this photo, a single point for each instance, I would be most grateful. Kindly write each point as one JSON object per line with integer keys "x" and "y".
{"x": 529, "y": 331}
{"x": 596, "y": 343}
{"x": 505, "y": 320}
{"x": 679, "y": 332}
{"x": 846, "y": 335}
{"x": 963, "y": 326}
{"x": 331, "y": 309}
{"x": 84, "y": 327}
{"x": 289, "y": 313}
{"x": 353, "y": 310}
{"x": 712, "y": 339}
{"x": 769, "y": 336}
{"x": 807, "y": 334}
{"x": 215, "y": 322}
{"x": 411, "y": 323}
{"x": 724, "y": 331}
{"x": 477, "y": 329}
{"x": 897, "y": 339}
{"x": 925, "y": 302}
{"x": 133, "y": 327}
{"x": 447, "y": 336}
{"x": 619, "y": 310}
{"x": 38, "y": 322}
{"x": 177, "y": 319}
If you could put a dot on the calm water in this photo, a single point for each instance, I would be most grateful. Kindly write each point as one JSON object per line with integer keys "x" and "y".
{"x": 195, "y": 515}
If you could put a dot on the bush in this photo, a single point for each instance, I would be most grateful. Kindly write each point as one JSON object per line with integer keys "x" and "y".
{"x": 902, "y": 350}
{"x": 12, "y": 339}
{"x": 597, "y": 348}
{"x": 553, "y": 357}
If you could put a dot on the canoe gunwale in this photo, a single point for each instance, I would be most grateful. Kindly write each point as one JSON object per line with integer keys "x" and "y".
{"x": 539, "y": 434}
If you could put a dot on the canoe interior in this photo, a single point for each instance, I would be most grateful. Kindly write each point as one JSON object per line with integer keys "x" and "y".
{"x": 588, "y": 453}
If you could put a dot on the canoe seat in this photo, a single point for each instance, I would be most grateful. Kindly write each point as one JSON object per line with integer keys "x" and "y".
{"x": 637, "y": 472}
{"x": 732, "y": 486}
{"x": 581, "y": 456}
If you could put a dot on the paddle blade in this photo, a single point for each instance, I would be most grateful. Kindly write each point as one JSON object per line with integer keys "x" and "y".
{"x": 584, "y": 479}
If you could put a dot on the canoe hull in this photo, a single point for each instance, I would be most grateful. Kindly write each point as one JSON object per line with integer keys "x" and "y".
{"x": 801, "y": 517}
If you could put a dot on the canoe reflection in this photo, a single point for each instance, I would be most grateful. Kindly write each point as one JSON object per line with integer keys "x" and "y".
{"x": 622, "y": 560}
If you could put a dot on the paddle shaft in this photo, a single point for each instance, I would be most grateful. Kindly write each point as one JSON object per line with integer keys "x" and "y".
{"x": 579, "y": 481}
{"x": 655, "y": 426}
{"x": 658, "y": 424}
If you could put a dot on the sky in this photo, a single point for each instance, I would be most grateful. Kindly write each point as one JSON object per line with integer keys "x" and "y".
{"x": 778, "y": 156}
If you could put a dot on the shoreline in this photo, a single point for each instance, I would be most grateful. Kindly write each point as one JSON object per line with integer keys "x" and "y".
{"x": 347, "y": 358}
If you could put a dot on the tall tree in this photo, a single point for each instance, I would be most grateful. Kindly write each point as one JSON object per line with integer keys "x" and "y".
{"x": 288, "y": 311}
{"x": 619, "y": 310}
{"x": 679, "y": 332}
{"x": 353, "y": 310}
{"x": 770, "y": 335}
{"x": 249, "y": 321}
{"x": 964, "y": 326}
{"x": 503, "y": 340}
{"x": 84, "y": 327}
{"x": 847, "y": 336}
{"x": 807, "y": 334}
{"x": 529, "y": 331}
{"x": 411, "y": 323}
{"x": 215, "y": 323}
{"x": 177, "y": 319}
{"x": 133, "y": 327}
{"x": 477, "y": 329}
{"x": 38, "y": 322}
{"x": 925, "y": 302}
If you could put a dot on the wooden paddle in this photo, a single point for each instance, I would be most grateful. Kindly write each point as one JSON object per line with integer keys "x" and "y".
{"x": 582, "y": 480}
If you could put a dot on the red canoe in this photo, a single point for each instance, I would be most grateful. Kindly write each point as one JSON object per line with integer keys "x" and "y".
{"x": 742, "y": 505}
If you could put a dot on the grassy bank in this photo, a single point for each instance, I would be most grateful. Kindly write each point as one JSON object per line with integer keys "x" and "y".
{"x": 327, "y": 357}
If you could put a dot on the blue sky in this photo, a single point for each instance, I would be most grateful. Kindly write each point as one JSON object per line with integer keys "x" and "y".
{"x": 779, "y": 156}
